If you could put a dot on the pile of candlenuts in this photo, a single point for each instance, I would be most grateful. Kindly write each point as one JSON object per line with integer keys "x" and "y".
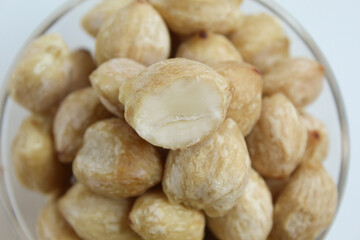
{"x": 214, "y": 142}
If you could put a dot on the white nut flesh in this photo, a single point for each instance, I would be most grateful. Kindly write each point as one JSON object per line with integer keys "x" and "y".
{"x": 176, "y": 103}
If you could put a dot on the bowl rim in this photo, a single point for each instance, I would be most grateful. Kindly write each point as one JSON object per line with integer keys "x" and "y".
{"x": 273, "y": 7}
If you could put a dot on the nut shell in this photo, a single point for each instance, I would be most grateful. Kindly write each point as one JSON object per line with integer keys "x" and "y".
{"x": 114, "y": 161}
{"x": 278, "y": 140}
{"x": 251, "y": 218}
{"x": 95, "y": 217}
{"x": 307, "y": 204}
{"x": 210, "y": 175}
{"x": 153, "y": 217}
{"x": 136, "y": 31}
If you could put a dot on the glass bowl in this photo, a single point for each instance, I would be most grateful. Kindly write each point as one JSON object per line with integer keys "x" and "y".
{"x": 22, "y": 206}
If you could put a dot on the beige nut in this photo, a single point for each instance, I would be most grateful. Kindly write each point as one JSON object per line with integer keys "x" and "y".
{"x": 34, "y": 158}
{"x": 76, "y": 113}
{"x": 261, "y": 40}
{"x": 278, "y": 140}
{"x": 153, "y": 217}
{"x": 175, "y": 103}
{"x": 40, "y": 79}
{"x": 251, "y": 218}
{"x": 82, "y": 65}
{"x": 245, "y": 105}
{"x": 208, "y": 47}
{"x": 95, "y": 217}
{"x": 307, "y": 204}
{"x": 210, "y": 175}
{"x": 318, "y": 138}
{"x": 187, "y": 16}
{"x": 300, "y": 79}
{"x": 94, "y": 19}
{"x": 109, "y": 77}
{"x": 51, "y": 225}
{"x": 114, "y": 161}
{"x": 276, "y": 186}
{"x": 136, "y": 31}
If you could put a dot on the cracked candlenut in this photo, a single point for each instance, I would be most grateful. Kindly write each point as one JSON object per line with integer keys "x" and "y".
{"x": 76, "y": 113}
{"x": 278, "y": 140}
{"x": 187, "y": 16}
{"x": 251, "y": 218}
{"x": 136, "y": 31}
{"x": 153, "y": 217}
{"x": 210, "y": 175}
{"x": 114, "y": 161}
{"x": 40, "y": 79}
{"x": 109, "y": 77}
{"x": 307, "y": 204}
{"x": 208, "y": 47}
{"x": 95, "y": 217}
{"x": 175, "y": 103}
{"x": 246, "y": 81}
{"x": 34, "y": 158}
{"x": 261, "y": 40}
{"x": 300, "y": 79}
{"x": 51, "y": 225}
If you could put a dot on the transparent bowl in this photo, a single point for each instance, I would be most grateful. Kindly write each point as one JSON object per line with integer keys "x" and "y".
{"x": 22, "y": 206}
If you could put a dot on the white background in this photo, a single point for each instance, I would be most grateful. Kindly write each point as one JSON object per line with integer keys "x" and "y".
{"x": 333, "y": 24}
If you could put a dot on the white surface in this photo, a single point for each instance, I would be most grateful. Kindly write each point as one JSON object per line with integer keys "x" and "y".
{"x": 334, "y": 25}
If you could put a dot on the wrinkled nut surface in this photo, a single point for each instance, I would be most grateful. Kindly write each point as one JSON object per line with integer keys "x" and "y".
{"x": 114, "y": 161}
{"x": 109, "y": 77}
{"x": 34, "y": 158}
{"x": 307, "y": 204}
{"x": 278, "y": 140}
{"x": 136, "y": 31}
{"x": 208, "y": 47}
{"x": 251, "y": 218}
{"x": 300, "y": 79}
{"x": 261, "y": 40}
{"x": 82, "y": 65}
{"x": 95, "y": 217}
{"x": 76, "y": 113}
{"x": 40, "y": 79}
{"x": 175, "y": 103}
{"x": 318, "y": 139}
{"x": 94, "y": 19}
{"x": 187, "y": 16}
{"x": 246, "y": 81}
{"x": 153, "y": 217}
{"x": 210, "y": 175}
{"x": 51, "y": 225}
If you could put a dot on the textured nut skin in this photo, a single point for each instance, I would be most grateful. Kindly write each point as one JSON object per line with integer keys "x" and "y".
{"x": 153, "y": 217}
{"x": 278, "y": 140}
{"x": 300, "y": 79}
{"x": 40, "y": 79}
{"x": 307, "y": 204}
{"x": 95, "y": 217}
{"x": 51, "y": 225}
{"x": 318, "y": 139}
{"x": 136, "y": 31}
{"x": 251, "y": 218}
{"x": 82, "y": 65}
{"x": 246, "y": 81}
{"x": 261, "y": 40}
{"x": 163, "y": 74}
{"x": 94, "y": 19}
{"x": 114, "y": 161}
{"x": 76, "y": 113}
{"x": 34, "y": 158}
{"x": 109, "y": 77}
{"x": 187, "y": 16}
{"x": 210, "y": 175}
{"x": 208, "y": 47}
